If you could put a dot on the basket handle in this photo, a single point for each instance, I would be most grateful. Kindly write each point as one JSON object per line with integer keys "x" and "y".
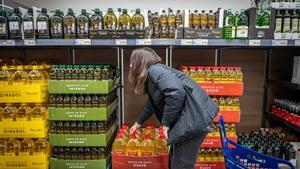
{"x": 222, "y": 131}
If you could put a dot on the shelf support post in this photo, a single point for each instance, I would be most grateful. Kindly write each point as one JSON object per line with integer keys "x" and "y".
{"x": 268, "y": 54}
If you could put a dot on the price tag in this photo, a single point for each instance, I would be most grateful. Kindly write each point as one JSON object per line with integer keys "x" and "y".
{"x": 187, "y": 42}
{"x": 143, "y": 42}
{"x": 201, "y": 42}
{"x": 279, "y": 42}
{"x": 83, "y": 42}
{"x": 297, "y": 5}
{"x": 29, "y": 42}
{"x": 254, "y": 42}
{"x": 297, "y": 42}
{"x": 121, "y": 41}
{"x": 9, "y": 43}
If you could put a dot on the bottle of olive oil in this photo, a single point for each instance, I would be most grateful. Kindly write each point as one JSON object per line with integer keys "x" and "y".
{"x": 70, "y": 25}
{"x": 196, "y": 20}
{"x": 124, "y": 21}
{"x": 110, "y": 20}
{"x": 4, "y": 33}
{"x": 83, "y": 22}
{"x": 28, "y": 28}
{"x": 96, "y": 23}
{"x": 163, "y": 25}
{"x": 204, "y": 20}
{"x": 172, "y": 24}
{"x": 15, "y": 21}
{"x": 56, "y": 22}
{"x": 179, "y": 19}
{"x": 156, "y": 30}
{"x": 138, "y": 21}
{"x": 42, "y": 22}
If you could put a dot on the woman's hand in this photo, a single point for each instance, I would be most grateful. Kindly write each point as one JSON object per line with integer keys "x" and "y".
{"x": 134, "y": 127}
{"x": 165, "y": 130}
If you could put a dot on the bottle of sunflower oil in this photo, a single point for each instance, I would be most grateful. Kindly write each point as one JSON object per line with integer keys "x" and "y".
{"x": 119, "y": 144}
{"x": 133, "y": 147}
{"x": 147, "y": 146}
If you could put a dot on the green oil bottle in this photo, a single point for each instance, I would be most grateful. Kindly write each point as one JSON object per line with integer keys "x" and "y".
{"x": 278, "y": 22}
{"x": 124, "y": 21}
{"x": 242, "y": 26}
{"x": 110, "y": 20}
{"x": 15, "y": 21}
{"x": 96, "y": 23}
{"x": 228, "y": 29}
{"x": 28, "y": 25}
{"x": 138, "y": 21}
{"x": 56, "y": 24}
{"x": 70, "y": 25}
{"x": 42, "y": 23}
{"x": 4, "y": 33}
{"x": 83, "y": 23}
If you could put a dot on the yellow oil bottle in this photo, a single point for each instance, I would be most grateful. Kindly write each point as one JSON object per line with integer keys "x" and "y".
{"x": 147, "y": 147}
{"x": 133, "y": 147}
{"x": 138, "y": 20}
{"x": 124, "y": 21}
{"x": 119, "y": 144}
{"x": 196, "y": 20}
{"x": 161, "y": 147}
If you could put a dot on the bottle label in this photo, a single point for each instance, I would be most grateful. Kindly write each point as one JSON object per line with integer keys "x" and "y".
{"x": 133, "y": 153}
{"x": 111, "y": 26}
{"x": 125, "y": 26}
{"x": 70, "y": 28}
{"x": 278, "y": 25}
{"x": 242, "y": 32}
{"x": 147, "y": 154}
{"x": 3, "y": 28}
{"x": 13, "y": 26}
{"x": 42, "y": 25}
{"x": 28, "y": 25}
{"x": 56, "y": 28}
{"x": 118, "y": 152}
{"x": 171, "y": 29}
{"x": 295, "y": 25}
{"x": 233, "y": 32}
{"x": 286, "y": 25}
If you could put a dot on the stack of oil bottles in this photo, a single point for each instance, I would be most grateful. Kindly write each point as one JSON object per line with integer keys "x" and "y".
{"x": 23, "y": 115}
{"x": 83, "y": 106}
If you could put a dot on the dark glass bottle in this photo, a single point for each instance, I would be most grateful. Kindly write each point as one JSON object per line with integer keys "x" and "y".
{"x": 56, "y": 25}
{"x": 4, "y": 33}
{"x": 59, "y": 101}
{"x": 28, "y": 25}
{"x": 94, "y": 153}
{"x": 43, "y": 25}
{"x": 70, "y": 25}
{"x": 96, "y": 23}
{"x": 80, "y": 153}
{"x": 87, "y": 127}
{"x": 15, "y": 22}
{"x": 80, "y": 127}
{"x": 55, "y": 152}
{"x": 66, "y": 101}
{"x": 73, "y": 127}
{"x": 83, "y": 24}
{"x": 67, "y": 153}
{"x": 59, "y": 127}
{"x": 87, "y": 153}
{"x": 73, "y": 101}
{"x": 67, "y": 127}
{"x": 93, "y": 125}
{"x": 80, "y": 101}
{"x": 73, "y": 153}
{"x": 53, "y": 127}
{"x": 60, "y": 153}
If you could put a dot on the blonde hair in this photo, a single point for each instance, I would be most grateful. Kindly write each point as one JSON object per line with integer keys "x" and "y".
{"x": 141, "y": 59}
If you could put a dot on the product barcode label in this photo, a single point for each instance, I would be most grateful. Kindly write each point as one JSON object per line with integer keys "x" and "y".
{"x": 186, "y": 42}
{"x": 143, "y": 42}
{"x": 83, "y": 42}
{"x": 8, "y": 43}
{"x": 254, "y": 42}
{"x": 297, "y": 42}
{"x": 201, "y": 42}
{"x": 279, "y": 42}
{"x": 121, "y": 41}
{"x": 29, "y": 42}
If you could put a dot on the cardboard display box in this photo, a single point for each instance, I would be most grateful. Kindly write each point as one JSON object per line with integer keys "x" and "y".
{"x": 40, "y": 161}
{"x": 215, "y": 141}
{"x": 82, "y": 164}
{"x": 229, "y": 116}
{"x": 223, "y": 89}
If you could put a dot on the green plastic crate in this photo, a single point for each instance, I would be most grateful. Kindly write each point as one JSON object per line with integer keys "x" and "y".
{"x": 80, "y": 164}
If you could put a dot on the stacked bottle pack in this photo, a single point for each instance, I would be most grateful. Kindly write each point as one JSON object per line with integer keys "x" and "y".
{"x": 218, "y": 81}
{"x": 23, "y": 115}
{"x": 145, "y": 146}
{"x": 83, "y": 115}
{"x": 210, "y": 155}
{"x": 287, "y": 110}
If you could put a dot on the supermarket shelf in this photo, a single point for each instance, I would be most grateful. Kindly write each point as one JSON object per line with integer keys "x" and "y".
{"x": 283, "y": 122}
{"x": 285, "y": 84}
{"x": 150, "y": 42}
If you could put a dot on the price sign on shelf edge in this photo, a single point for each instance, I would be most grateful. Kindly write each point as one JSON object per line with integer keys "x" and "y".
{"x": 201, "y": 42}
{"x": 121, "y": 42}
{"x": 254, "y": 42}
{"x": 186, "y": 42}
{"x": 29, "y": 42}
{"x": 83, "y": 42}
{"x": 143, "y": 42}
{"x": 279, "y": 42}
{"x": 8, "y": 43}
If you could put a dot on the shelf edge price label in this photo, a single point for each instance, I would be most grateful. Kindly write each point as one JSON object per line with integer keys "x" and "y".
{"x": 297, "y": 5}
{"x": 143, "y": 42}
{"x": 254, "y": 42}
{"x": 83, "y": 42}
{"x": 121, "y": 42}
{"x": 29, "y": 42}
{"x": 8, "y": 43}
{"x": 200, "y": 42}
{"x": 279, "y": 42}
{"x": 297, "y": 42}
{"x": 186, "y": 42}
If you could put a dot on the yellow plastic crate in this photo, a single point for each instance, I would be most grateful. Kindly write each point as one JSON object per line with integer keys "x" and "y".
{"x": 39, "y": 161}
{"x": 36, "y": 128}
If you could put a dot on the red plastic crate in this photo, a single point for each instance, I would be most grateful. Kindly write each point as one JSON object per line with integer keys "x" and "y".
{"x": 229, "y": 116}
{"x": 210, "y": 165}
{"x": 223, "y": 89}
{"x": 126, "y": 162}
{"x": 215, "y": 142}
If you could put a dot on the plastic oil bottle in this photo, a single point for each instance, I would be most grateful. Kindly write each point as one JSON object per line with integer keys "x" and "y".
{"x": 68, "y": 72}
{"x": 201, "y": 74}
{"x": 96, "y": 23}
{"x": 124, "y": 21}
{"x": 229, "y": 30}
{"x": 235, "y": 103}
{"x": 119, "y": 144}
{"x": 20, "y": 75}
{"x": 222, "y": 102}
{"x": 12, "y": 147}
{"x": 82, "y": 72}
{"x": 2, "y": 146}
{"x": 147, "y": 146}
{"x": 196, "y": 20}
{"x": 138, "y": 20}
{"x": 110, "y": 20}
{"x": 211, "y": 20}
{"x": 229, "y": 103}
{"x": 156, "y": 26}
{"x": 83, "y": 23}
{"x": 41, "y": 146}
{"x": 238, "y": 74}
{"x": 34, "y": 75}
{"x": 278, "y": 22}
{"x": 26, "y": 147}
{"x": 56, "y": 24}
{"x": 43, "y": 27}
{"x": 15, "y": 24}
{"x": 163, "y": 22}
{"x": 70, "y": 25}
{"x": 23, "y": 112}
{"x": 9, "y": 112}
{"x": 90, "y": 72}
{"x": 203, "y": 20}
{"x": 38, "y": 112}
{"x": 161, "y": 147}
{"x": 98, "y": 72}
{"x": 201, "y": 155}
{"x": 172, "y": 24}
{"x": 4, "y": 32}
{"x": 216, "y": 74}
{"x": 66, "y": 101}
{"x": 4, "y": 75}
{"x": 133, "y": 147}
{"x": 208, "y": 74}
{"x": 286, "y": 22}
{"x": 75, "y": 72}
{"x": 242, "y": 26}
{"x": 28, "y": 25}
{"x": 179, "y": 19}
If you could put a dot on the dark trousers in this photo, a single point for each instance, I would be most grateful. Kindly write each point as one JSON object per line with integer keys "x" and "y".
{"x": 184, "y": 155}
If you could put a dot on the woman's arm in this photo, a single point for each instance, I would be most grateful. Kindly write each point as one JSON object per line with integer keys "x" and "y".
{"x": 145, "y": 113}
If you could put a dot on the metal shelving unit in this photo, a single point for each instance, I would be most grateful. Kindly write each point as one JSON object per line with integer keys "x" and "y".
{"x": 285, "y": 84}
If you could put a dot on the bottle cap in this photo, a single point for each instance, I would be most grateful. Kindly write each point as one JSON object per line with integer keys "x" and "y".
{"x": 120, "y": 135}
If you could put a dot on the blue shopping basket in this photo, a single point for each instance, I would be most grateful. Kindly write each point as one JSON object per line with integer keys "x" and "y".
{"x": 241, "y": 157}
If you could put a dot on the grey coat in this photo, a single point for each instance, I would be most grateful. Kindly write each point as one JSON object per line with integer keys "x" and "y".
{"x": 178, "y": 102}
